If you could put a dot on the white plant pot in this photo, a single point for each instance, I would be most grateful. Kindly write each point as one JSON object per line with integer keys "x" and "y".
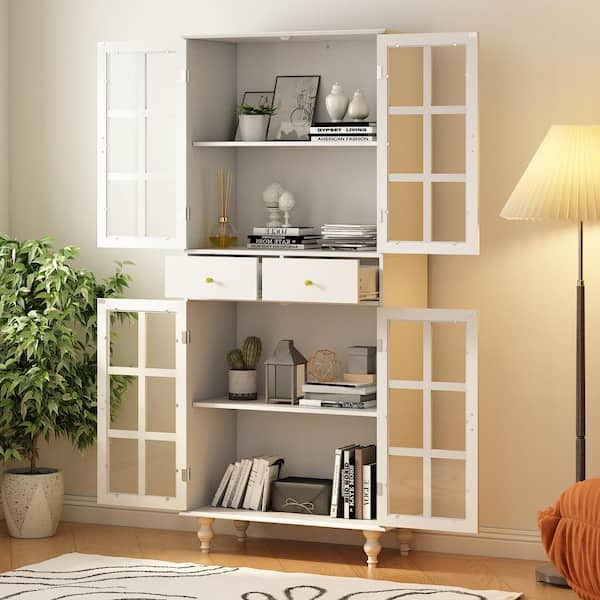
{"x": 242, "y": 384}
{"x": 253, "y": 128}
{"x": 32, "y": 503}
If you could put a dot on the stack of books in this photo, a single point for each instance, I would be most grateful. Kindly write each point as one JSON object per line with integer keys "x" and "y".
{"x": 354, "y": 489}
{"x": 339, "y": 394}
{"x": 247, "y": 483}
{"x": 344, "y": 132}
{"x": 290, "y": 238}
{"x": 349, "y": 237}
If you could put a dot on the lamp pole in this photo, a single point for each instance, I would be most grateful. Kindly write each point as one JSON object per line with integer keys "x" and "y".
{"x": 580, "y": 367}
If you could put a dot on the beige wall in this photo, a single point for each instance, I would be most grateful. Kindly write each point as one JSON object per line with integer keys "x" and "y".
{"x": 538, "y": 66}
{"x": 4, "y": 116}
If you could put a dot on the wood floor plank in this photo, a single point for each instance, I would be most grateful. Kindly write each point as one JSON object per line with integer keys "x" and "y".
{"x": 25, "y": 552}
{"x": 282, "y": 555}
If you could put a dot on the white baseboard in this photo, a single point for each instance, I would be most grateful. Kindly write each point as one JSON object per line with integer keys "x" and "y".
{"x": 508, "y": 543}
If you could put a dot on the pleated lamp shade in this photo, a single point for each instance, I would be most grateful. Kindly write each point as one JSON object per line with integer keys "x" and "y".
{"x": 562, "y": 181}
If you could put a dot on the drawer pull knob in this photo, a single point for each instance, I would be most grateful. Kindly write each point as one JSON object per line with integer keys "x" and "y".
{"x": 308, "y": 282}
{"x": 209, "y": 280}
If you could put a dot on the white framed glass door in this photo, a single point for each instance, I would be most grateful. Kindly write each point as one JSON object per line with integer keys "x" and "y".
{"x": 427, "y": 419}
{"x": 141, "y": 145}
{"x": 428, "y": 157}
{"x": 142, "y": 446}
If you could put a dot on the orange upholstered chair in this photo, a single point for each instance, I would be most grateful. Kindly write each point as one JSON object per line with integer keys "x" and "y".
{"x": 571, "y": 535}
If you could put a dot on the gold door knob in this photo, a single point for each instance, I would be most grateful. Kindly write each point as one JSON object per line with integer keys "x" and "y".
{"x": 308, "y": 282}
{"x": 209, "y": 280}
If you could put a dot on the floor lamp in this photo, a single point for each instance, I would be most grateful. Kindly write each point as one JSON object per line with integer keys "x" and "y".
{"x": 562, "y": 182}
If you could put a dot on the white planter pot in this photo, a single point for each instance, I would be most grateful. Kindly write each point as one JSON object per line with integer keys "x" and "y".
{"x": 253, "y": 128}
{"x": 32, "y": 503}
{"x": 242, "y": 385}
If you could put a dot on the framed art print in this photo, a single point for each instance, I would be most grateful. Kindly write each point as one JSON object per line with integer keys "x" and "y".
{"x": 295, "y": 97}
{"x": 257, "y": 99}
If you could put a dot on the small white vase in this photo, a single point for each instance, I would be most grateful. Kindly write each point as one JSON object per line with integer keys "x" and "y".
{"x": 358, "y": 109}
{"x": 336, "y": 103}
{"x": 253, "y": 128}
{"x": 32, "y": 503}
{"x": 242, "y": 384}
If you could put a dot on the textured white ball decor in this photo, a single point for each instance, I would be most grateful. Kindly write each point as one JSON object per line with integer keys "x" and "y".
{"x": 286, "y": 204}
{"x": 32, "y": 504}
{"x": 271, "y": 197}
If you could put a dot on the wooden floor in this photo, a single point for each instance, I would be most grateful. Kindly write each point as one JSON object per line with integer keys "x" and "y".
{"x": 281, "y": 555}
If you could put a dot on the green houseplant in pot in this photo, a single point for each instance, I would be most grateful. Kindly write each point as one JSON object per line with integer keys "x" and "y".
{"x": 47, "y": 372}
{"x": 242, "y": 369}
{"x": 253, "y": 121}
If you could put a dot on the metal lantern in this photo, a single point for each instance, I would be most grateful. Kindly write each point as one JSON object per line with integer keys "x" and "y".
{"x": 285, "y": 372}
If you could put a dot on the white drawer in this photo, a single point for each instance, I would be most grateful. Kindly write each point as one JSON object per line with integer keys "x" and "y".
{"x": 211, "y": 277}
{"x": 311, "y": 280}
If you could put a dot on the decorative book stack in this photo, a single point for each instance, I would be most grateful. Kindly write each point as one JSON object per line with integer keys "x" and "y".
{"x": 347, "y": 132}
{"x": 291, "y": 238}
{"x": 247, "y": 483}
{"x": 339, "y": 394}
{"x": 349, "y": 237}
{"x": 354, "y": 482}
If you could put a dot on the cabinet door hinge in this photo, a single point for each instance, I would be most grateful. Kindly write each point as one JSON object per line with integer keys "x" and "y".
{"x": 379, "y": 72}
{"x": 380, "y": 345}
{"x": 186, "y": 474}
{"x": 186, "y": 337}
{"x": 188, "y": 214}
{"x": 185, "y": 75}
{"x": 379, "y": 488}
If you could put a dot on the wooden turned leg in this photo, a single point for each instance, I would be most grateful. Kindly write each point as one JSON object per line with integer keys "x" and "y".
{"x": 372, "y": 546}
{"x": 240, "y": 530}
{"x": 205, "y": 533}
{"x": 405, "y": 538}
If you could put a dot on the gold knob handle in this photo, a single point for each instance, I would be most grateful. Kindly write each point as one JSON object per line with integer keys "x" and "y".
{"x": 209, "y": 280}
{"x": 308, "y": 282}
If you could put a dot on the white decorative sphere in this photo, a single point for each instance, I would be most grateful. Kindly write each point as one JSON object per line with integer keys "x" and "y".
{"x": 271, "y": 195}
{"x": 287, "y": 201}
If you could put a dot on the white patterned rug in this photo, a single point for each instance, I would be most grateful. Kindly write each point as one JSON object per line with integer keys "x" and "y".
{"x": 91, "y": 577}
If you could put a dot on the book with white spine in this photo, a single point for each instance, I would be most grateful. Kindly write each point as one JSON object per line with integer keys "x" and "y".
{"x": 218, "y": 497}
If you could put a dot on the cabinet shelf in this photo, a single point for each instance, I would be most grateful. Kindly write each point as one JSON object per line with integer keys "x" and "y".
{"x": 238, "y": 144}
{"x": 262, "y": 406}
{"x": 283, "y": 518}
{"x": 243, "y": 251}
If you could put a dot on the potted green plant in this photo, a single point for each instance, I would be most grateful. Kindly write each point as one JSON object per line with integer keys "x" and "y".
{"x": 253, "y": 121}
{"x": 47, "y": 371}
{"x": 242, "y": 369}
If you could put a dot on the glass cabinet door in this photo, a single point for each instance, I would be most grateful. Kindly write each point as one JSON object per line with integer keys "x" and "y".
{"x": 428, "y": 143}
{"x": 141, "y": 140}
{"x": 427, "y": 419}
{"x": 142, "y": 436}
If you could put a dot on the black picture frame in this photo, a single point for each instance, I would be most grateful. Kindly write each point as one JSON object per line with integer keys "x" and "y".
{"x": 295, "y": 97}
{"x": 265, "y": 98}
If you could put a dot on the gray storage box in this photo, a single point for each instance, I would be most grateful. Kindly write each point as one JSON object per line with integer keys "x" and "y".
{"x": 305, "y": 495}
{"x": 362, "y": 359}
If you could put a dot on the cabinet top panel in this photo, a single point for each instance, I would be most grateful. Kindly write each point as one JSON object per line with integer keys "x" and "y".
{"x": 285, "y": 36}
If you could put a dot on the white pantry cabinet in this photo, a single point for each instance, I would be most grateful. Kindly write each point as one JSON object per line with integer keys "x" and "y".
{"x": 166, "y": 124}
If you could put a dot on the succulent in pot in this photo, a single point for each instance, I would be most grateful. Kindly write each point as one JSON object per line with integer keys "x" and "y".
{"x": 242, "y": 369}
{"x": 47, "y": 372}
{"x": 253, "y": 121}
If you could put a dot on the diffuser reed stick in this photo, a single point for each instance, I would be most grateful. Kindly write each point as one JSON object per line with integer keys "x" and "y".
{"x": 224, "y": 233}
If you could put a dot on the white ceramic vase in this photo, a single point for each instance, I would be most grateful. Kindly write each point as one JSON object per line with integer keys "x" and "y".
{"x": 253, "y": 128}
{"x": 358, "y": 109}
{"x": 336, "y": 103}
{"x": 242, "y": 384}
{"x": 32, "y": 503}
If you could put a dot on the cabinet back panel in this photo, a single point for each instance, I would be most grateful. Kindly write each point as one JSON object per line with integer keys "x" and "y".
{"x": 311, "y": 326}
{"x": 307, "y": 442}
{"x": 330, "y": 185}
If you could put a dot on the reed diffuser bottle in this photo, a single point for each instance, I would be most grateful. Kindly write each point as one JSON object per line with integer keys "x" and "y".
{"x": 223, "y": 234}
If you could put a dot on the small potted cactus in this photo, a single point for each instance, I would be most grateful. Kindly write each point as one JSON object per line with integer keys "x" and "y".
{"x": 242, "y": 369}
